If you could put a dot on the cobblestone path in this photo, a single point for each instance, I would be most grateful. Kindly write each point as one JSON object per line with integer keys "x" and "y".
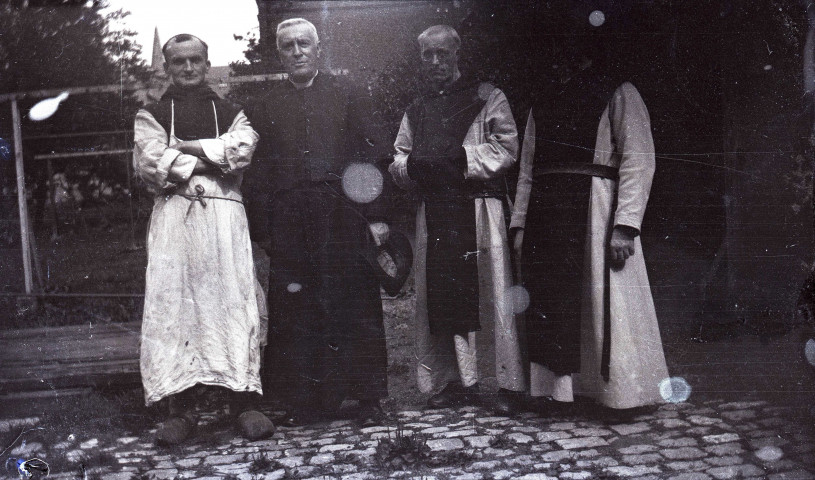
{"x": 713, "y": 440}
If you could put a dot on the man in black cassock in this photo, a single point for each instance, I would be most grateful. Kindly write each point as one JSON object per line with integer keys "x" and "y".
{"x": 315, "y": 205}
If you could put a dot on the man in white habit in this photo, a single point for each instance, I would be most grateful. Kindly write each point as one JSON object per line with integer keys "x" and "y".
{"x": 584, "y": 183}
{"x": 201, "y": 321}
{"x": 455, "y": 143}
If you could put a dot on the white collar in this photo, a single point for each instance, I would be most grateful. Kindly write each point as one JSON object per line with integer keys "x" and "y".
{"x": 302, "y": 85}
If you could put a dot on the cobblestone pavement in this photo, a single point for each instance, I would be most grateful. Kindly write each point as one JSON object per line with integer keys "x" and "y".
{"x": 713, "y": 440}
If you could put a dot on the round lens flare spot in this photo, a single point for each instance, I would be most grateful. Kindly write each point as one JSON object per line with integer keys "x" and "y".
{"x": 769, "y": 454}
{"x": 809, "y": 351}
{"x": 674, "y": 390}
{"x": 519, "y": 298}
{"x": 362, "y": 182}
{"x": 294, "y": 287}
{"x": 597, "y": 18}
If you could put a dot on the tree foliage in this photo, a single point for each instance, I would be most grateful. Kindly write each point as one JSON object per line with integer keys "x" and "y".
{"x": 55, "y": 44}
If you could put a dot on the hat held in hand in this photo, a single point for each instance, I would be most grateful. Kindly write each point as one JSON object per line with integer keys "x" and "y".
{"x": 391, "y": 261}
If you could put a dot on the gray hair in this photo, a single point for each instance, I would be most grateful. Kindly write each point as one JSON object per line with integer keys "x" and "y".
{"x": 441, "y": 30}
{"x": 293, "y": 22}
{"x": 181, "y": 38}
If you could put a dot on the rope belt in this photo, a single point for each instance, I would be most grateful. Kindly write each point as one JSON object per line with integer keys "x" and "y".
{"x": 591, "y": 169}
{"x": 200, "y": 197}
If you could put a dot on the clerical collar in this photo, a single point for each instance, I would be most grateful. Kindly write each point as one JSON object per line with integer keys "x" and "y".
{"x": 302, "y": 85}
{"x": 449, "y": 87}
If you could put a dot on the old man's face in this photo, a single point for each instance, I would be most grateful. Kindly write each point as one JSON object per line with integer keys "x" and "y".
{"x": 299, "y": 51}
{"x": 439, "y": 58}
{"x": 187, "y": 63}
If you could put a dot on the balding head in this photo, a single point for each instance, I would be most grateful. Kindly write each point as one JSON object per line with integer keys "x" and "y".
{"x": 442, "y": 31}
{"x": 439, "y": 46}
{"x": 185, "y": 60}
{"x": 182, "y": 38}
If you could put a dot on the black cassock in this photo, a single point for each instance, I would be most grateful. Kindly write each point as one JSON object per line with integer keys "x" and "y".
{"x": 327, "y": 339}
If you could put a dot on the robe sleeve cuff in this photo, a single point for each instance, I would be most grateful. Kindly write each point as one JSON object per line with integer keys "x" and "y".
{"x": 214, "y": 149}
{"x": 627, "y": 222}
{"x": 518, "y": 220}
{"x": 399, "y": 171}
{"x": 166, "y": 161}
{"x": 182, "y": 167}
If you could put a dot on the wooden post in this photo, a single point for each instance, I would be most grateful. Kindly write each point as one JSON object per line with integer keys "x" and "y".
{"x": 21, "y": 197}
{"x": 52, "y": 194}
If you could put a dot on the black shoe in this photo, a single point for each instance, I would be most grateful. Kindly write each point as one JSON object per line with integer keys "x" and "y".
{"x": 299, "y": 419}
{"x": 455, "y": 395}
{"x": 549, "y": 407}
{"x": 508, "y": 402}
{"x": 370, "y": 413}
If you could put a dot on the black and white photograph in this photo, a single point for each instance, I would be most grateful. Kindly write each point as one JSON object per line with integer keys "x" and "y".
{"x": 411, "y": 239}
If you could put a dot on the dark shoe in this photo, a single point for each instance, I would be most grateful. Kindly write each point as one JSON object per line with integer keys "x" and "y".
{"x": 255, "y": 425}
{"x": 455, "y": 395}
{"x": 370, "y": 413}
{"x": 549, "y": 407}
{"x": 508, "y": 402}
{"x": 174, "y": 431}
{"x": 299, "y": 419}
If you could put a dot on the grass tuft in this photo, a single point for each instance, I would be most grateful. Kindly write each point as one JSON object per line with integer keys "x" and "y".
{"x": 402, "y": 452}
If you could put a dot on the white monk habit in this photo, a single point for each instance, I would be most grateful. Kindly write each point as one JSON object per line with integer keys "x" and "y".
{"x": 637, "y": 362}
{"x": 201, "y": 321}
{"x": 491, "y": 145}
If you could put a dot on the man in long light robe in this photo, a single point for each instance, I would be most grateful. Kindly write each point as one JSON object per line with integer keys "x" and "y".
{"x": 455, "y": 143}
{"x": 201, "y": 322}
{"x": 592, "y": 326}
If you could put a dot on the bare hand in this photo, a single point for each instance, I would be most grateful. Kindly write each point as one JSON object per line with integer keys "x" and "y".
{"x": 203, "y": 167}
{"x": 380, "y": 232}
{"x": 621, "y": 246}
{"x": 191, "y": 147}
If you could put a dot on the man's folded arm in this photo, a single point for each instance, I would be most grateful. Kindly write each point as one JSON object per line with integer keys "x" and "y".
{"x": 158, "y": 165}
{"x": 231, "y": 152}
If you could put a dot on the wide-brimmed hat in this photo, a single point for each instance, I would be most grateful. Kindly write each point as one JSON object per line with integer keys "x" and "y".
{"x": 400, "y": 252}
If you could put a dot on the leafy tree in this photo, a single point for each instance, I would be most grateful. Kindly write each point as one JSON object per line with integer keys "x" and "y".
{"x": 52, "y": 44}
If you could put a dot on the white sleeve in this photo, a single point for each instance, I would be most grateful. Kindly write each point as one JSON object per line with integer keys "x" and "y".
{"x": 154, "y": 162}
{"x": 499, "y": 142}
{"x": 233, "y": 150}
{"x": 403, "y": 146}
{"x": 631, "y": 126}
{"x": 525, "y": 175}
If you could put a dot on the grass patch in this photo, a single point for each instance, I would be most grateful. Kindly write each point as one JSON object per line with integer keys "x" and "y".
{"x": 500, "y": 441}
{"x": 402, "y": 452}
{"x": 205, "y": 471}
{"x": 262, "y": 464}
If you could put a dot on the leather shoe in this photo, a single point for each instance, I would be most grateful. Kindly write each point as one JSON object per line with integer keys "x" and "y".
{"x": 370, "y": 413}
{"x": 299, "y": 419}
{"x": 508, "y": 402}
{"x": 454, "y": 395}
